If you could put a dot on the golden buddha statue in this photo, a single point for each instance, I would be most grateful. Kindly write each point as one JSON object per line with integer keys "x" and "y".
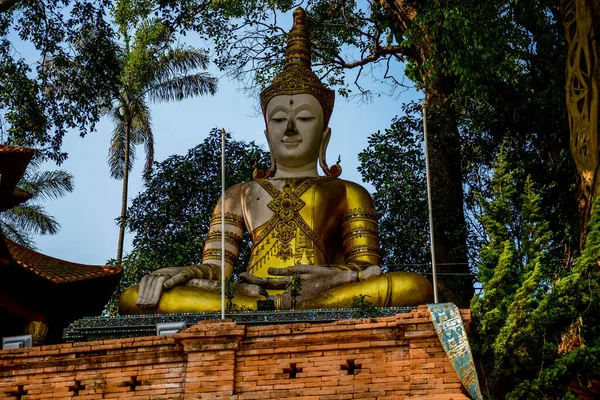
{"x": 321, "y": 227}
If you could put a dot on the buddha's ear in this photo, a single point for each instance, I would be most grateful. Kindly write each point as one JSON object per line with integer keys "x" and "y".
{"x": 271, "y": 169}
{"x": 334, "y": 171}
{"x": 323, "y": 149}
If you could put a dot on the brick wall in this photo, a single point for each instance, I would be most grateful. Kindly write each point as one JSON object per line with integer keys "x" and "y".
{"x": 384, "y": 358}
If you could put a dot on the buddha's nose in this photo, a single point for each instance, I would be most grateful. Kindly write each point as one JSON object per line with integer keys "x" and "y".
{"x": 290, "y": 129}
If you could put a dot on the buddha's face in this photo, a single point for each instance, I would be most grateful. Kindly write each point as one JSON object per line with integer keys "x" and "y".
{"x": 294, "y": 129}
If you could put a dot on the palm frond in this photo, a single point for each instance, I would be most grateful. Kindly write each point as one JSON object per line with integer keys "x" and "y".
{"x": 47, "y": 185}
{"x": 148, "y": 137}
{"x": 16, "y": 235}
{"x": 140, "y": 121}
{"x": 116, "y": 152}
{"x": 116, "y": 114}
{"x": 183, "y": 87}
{"x": 31, "y": 218}
{"x": 178, "y": 61}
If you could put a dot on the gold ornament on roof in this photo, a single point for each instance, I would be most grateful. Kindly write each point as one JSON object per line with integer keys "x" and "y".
{"x": 297, "y": 77}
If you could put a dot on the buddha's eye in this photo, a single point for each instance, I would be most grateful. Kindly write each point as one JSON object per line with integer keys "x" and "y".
{"x": 305, "y": 116}
{"x": 278, "y": 120}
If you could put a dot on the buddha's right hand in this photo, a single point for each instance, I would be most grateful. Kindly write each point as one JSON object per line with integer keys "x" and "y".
{"x": 152, "y": 285}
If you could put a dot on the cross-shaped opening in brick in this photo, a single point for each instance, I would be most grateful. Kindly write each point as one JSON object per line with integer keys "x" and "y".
{"x": 19, "y": 393}
{"x": 292, "y": 370}
{"x": 350, "y": 366}
{"x": 76, "y": 388}
{"x": 133, "y": 383}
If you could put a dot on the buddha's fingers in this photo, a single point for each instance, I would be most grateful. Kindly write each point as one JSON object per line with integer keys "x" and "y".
{"x": 299, "y": 269}
{"x": 249, "y": 278}
{"x": 146, "y": 290}
{"x": 150, "y": 290}
{"x": 245, "y": 289}
{"x": 143, "y": 288}
{"x": 155, "y": 291}
{"x": 178, "y": 279}
{"x": 279, "y": 271}
{"x": 373, "y": 270}
{"x": 270, "y": 283}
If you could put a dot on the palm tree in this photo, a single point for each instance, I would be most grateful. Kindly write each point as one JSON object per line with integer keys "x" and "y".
{"x": 153, "y": 70}
{"x": 20, "y": 223}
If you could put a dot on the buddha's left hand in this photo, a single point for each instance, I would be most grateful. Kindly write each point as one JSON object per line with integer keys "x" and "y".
{"x": 152, "y": 285}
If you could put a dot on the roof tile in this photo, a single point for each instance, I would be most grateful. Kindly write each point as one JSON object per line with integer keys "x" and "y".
{"x": 56, "y": 270}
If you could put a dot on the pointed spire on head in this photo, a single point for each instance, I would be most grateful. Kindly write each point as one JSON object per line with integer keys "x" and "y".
{"x": 297, "y": 77}
{"x": 298, "y": 47}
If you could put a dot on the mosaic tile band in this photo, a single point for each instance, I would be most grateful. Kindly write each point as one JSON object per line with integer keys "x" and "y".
{"x": 449, "y": 327}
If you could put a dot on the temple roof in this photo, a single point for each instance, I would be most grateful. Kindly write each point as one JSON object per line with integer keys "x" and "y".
{"x": 56, "y": 270}
{"x": 13, "y": 161}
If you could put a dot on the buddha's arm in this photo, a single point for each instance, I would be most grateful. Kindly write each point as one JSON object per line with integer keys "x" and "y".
{"x": 359, "y": 229}
{"x": 152, "y": 285}
{"x": 234, "y": 230}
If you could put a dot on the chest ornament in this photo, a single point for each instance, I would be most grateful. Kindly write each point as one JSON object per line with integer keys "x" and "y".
{"x": 287, "y": 224}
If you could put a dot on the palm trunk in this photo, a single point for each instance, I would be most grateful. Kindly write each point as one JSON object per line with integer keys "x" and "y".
{"x": 123, "y": 219}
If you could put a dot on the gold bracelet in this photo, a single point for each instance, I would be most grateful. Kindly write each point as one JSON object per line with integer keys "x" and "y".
{"x": 192, "y": 272}
{"x": 353, "y": 267}
{"x": 359, "y": 276}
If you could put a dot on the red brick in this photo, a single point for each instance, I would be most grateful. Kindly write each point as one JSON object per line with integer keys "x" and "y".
{"x": 399, "y": 357}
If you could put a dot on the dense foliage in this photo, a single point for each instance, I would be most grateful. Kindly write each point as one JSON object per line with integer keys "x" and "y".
{"x": 526, "y": 114}
{"x": 394, "y": 163}
{"x": 59, "y": 69}
{"x": 170, "y": 216}
{"x": 536, "y": 322}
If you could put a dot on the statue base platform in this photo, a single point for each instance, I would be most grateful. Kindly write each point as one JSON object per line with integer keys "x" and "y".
{"x": 102, "y": 328}
{"x": 389, "y": 357}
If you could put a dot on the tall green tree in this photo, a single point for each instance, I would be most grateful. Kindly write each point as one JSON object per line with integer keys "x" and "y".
{"x": 154, "y": 68}
{"x": 170, "y": 216}
{"x": 535, "y": 322}
{"x": 22, "y": 222}
{"x": 59, "y": 70}
{"x": 527, "y": 116}
{"x": 394, "y": 163}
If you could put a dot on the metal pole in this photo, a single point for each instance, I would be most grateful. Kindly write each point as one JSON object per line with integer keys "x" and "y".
{"x": 222, "y": 223}
{"x": 431, "y": 239}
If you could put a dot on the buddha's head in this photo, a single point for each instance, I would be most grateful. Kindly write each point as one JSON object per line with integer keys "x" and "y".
{"x": 297, "y": 107}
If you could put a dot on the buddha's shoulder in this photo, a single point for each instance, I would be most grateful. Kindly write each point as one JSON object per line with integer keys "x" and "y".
{"x": 239, "y": 188}
{"x": 350, "y": 187}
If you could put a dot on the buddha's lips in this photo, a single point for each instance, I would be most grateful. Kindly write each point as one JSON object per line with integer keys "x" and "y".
{"x": 291, "y": 141}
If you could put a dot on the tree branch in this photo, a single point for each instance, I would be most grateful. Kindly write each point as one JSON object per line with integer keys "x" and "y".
{"x": 6, "y": 5}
